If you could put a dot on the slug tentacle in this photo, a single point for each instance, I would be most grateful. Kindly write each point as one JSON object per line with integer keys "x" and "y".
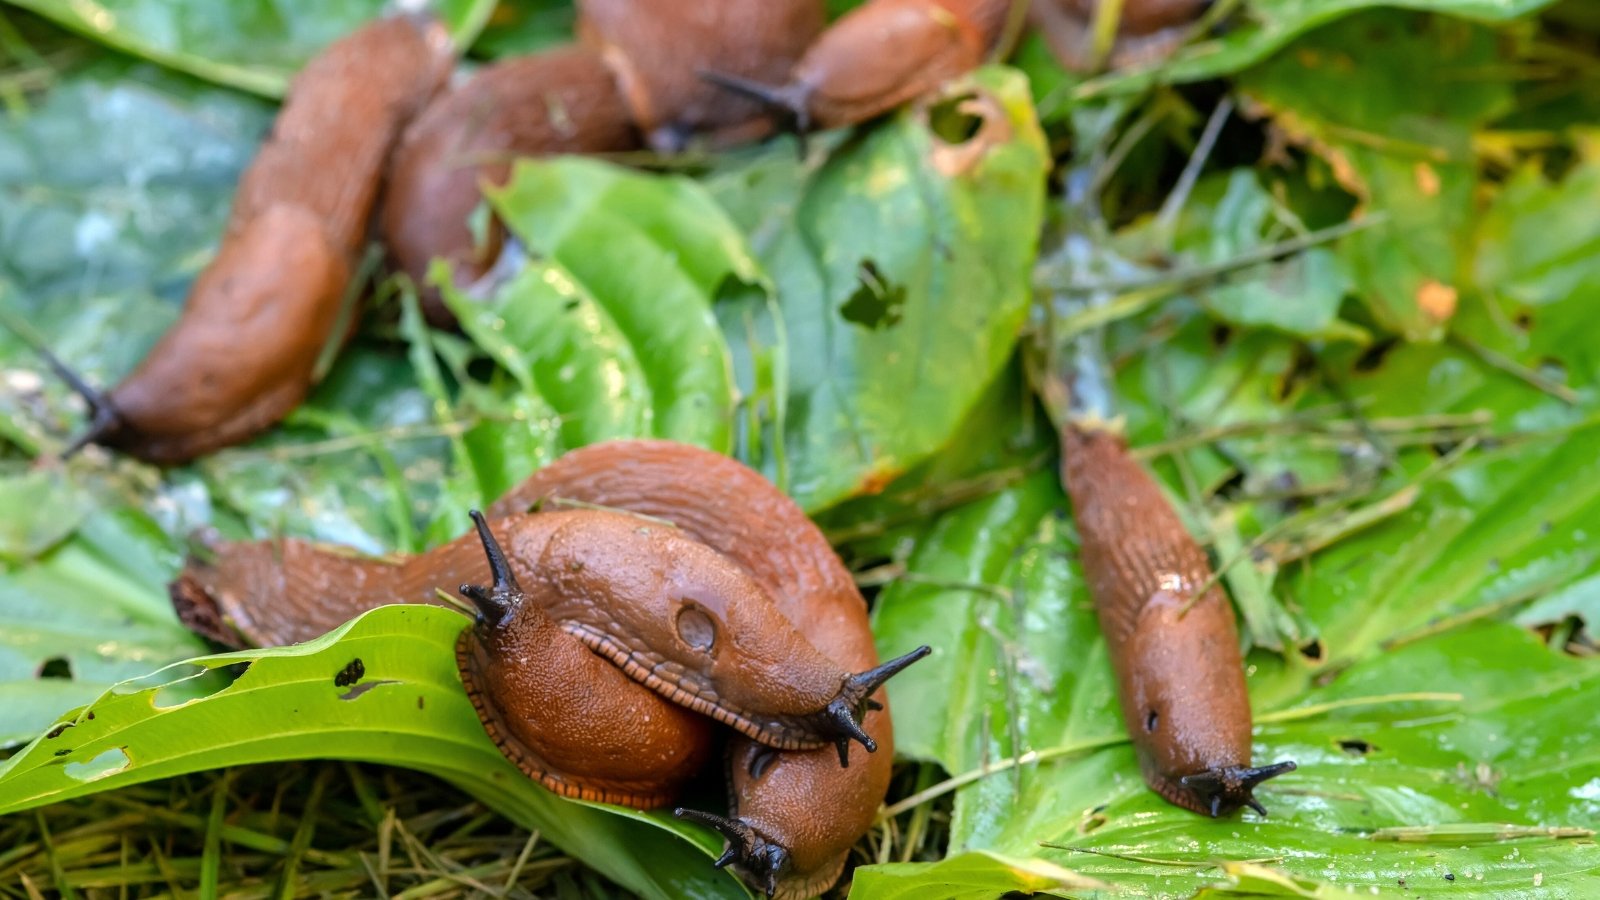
{"x": 845, "y": 711}
{"x": 1223, "y": 790}
{"x": 103, "y": 415}
{"x": 764, "y": 861}
{"x": 791, "y": 101}
{"x": 495, "y": 602}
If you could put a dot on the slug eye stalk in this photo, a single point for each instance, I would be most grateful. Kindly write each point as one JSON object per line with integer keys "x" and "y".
{"x": 844, "y": 713}
{"x": 496, "y": 601}
{"x": 1225, "y": 790}
{"x": 791, "y": 103}
{"x": 763, "y": 860}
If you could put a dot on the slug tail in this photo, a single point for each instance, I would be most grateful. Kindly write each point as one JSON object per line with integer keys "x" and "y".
{"x": 761, "y": 861}
{"x": 497, "y": 600}
{"x": 1223, "y": 790}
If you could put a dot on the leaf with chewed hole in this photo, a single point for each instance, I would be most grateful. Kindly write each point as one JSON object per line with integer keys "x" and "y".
{"x": 406, "y": 707}
{"x": 88, "y": 613}
{"x": 903, "y": 267}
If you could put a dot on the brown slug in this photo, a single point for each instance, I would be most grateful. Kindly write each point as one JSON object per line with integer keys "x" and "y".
{"x": 244, "y": 351}
{"x": 876, "y": 57}
{"x": 1180, "y": 677}
{"x": 656, "y": 51}
{"x": 560, "y": 101}
{"x": 566, "y": 717}
{"x": 1146, "y": 30}
{"x": 793, "y": 816}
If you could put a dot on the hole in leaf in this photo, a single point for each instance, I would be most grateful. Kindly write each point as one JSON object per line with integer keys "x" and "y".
{"x": 107, "y": 762}
{"x": 1221, "y": 334}
{"x": 1356, "y": 746}
{"x": 875, "y": 303}
{"x": 1303, "y": 366}
{"x": 351, "y": 673}
{"x": 360, "y": 689}
{"x": 1374, "y": 356}
{"x": 186, "y": 684}
{"x": 1553, "y": 370}
{"x": 1523, "y": 320}
{"x": 1312, "y": 651}
{"x": 56, "y": 667}
{"x": 951, "y": 122}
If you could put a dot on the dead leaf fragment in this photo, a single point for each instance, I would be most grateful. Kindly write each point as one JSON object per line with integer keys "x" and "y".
{"x": 1437, "y": 300}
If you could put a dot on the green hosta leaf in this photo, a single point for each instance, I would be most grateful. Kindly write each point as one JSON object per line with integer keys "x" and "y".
{"x": 902, "y": 266}
{"x": 253, "y": 44}
{"x": 42, "y": 507}
{"x": 971, "y": 875}
{"x": 408, "y": 709}
{"x": 607, "y": 327}
{"x": 1233, "y": 215}
{"x": 1540, "y": 242}
{"x": 1253, "y": 33}
{"x": 88, "y": 613}
{"x": 1474, "y": 730}
{"x": 1408, "y": 159}
{"x": 100, "y": 238}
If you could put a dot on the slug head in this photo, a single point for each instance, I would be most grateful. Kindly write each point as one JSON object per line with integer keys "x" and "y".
{"x": 841, "y": 719}
{"x": 104, "y": 419}
{"x": 790, "y": 103}
{"x": 761, "y": 861}
{"x": 1223, "y": 790}
{"x": 499, "y": 599}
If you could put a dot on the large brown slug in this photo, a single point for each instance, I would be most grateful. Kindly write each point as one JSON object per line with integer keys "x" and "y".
{"x": 876, "y": 57}
{"x": 1180, "y": 677}
{"x": 565, "y": 716}
{"x": 657, "y": 50}
{"x": 244, "y": 351}
{"x": 793, "y": 815}
{"x": 561, "y": 101}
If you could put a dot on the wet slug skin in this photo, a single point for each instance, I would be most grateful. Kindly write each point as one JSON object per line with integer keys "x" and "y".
{"x": 1180, "y": 676}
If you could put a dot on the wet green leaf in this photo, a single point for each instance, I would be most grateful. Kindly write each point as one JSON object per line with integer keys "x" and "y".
{"x": 88, "y": 613}
{"x": 606, "y": 328}
{"x": 1255, "y": 32}
{"x": 1234, "y": 215}
{"x": 902, "y": 270}
{"x": 254, "y": 45}
{"x": 408, "y": 709}
{"x": 1406, "y": 155}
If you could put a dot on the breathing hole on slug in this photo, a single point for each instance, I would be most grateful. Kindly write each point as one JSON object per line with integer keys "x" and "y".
{"x": 951, "y": 121}
{"x": 56, "y": 667}
{"x": 696, "y": 628}
{"x": 1151, "y": 720}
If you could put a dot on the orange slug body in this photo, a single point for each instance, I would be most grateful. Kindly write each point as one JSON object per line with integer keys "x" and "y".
{"x": 560, "y": 101}
{"x": 876, "y": 57}
{"x": 1146, "y": 31}
{"x": 802, "y": 812}
{"x": 244, "y": 351}
{"x": 1179, "y": 672}
{"x": 656, "y": 51}
{"x": 692, "y": 558}
{"x": 564, "y": 715}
